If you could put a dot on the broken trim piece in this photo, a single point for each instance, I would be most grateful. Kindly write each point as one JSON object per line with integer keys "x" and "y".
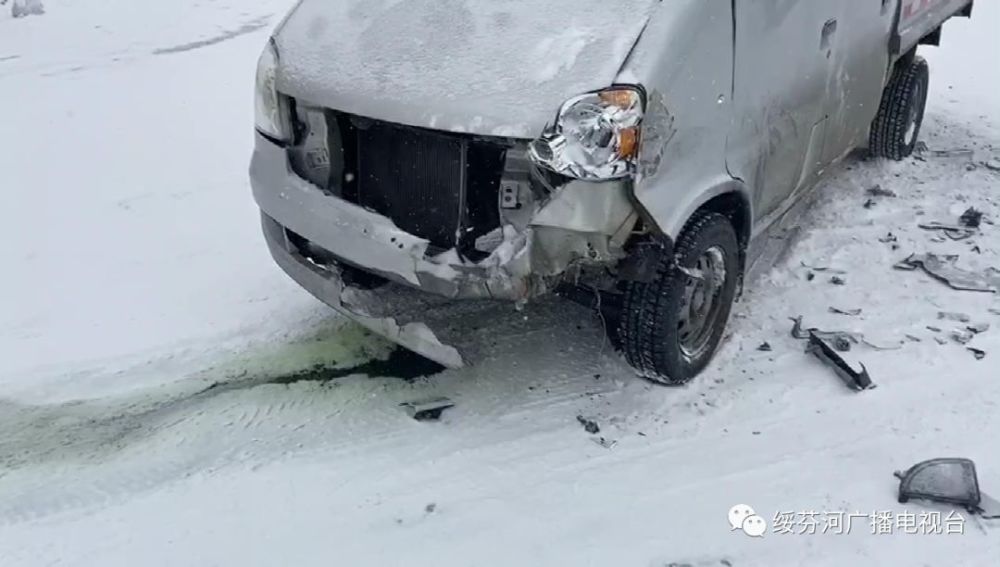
{"x": 857, "y": 381}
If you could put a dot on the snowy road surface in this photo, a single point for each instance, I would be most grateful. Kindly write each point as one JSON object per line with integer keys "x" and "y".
{"x": 154, "y": 404}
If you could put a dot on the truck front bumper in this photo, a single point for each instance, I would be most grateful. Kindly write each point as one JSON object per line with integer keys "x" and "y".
{"x": 579, "y": 224}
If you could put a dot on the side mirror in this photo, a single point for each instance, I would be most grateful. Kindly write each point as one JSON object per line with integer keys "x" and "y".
{"x": 951, "y": 481}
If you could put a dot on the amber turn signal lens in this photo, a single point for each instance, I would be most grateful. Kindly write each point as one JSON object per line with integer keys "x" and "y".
{"x": 628, "y": 142}
{"x": 624, "y": 98}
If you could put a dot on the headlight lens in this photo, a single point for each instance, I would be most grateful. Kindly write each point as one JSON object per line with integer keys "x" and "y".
{"x": 596, "y": 136}
{"x": 271, "y": 109}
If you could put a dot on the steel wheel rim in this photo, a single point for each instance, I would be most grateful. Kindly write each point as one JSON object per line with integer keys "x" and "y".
{"x": 702, "y": 302}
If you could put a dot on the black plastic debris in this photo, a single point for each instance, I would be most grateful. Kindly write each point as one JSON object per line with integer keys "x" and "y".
{"x": 992, "y": 165}
{"x": 848, "y": 312}
{"x": 943, "y": 268}
{"x": 842, "y": 340}
{"x": 952, "y": 316}
{"x": 979, "y": 328}
{"x": 978, "y": 353}
{"x": 948, "y": 481}
{"x": 889, "y": 238}
{"x": 971, "y": 218}
{"x": 427, "y": 410}
{"x": 589, "y": 425}
{"x": 952, "y": 231}
{"x": 825, "y": 269}
{"x": 765, "y": 347}
{"x": 837, "y": 280}
{"x": 857, "y": 381}
{"x": 878, "y": 191}
{"x": 962, "y": 336}
{"x": 870, "y": 203}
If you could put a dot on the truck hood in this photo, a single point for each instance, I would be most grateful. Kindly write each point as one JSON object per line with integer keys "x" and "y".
{"x": 489, "y": 67}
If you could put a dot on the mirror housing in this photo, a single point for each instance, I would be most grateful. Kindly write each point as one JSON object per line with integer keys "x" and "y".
{"x": 952, "y": 481}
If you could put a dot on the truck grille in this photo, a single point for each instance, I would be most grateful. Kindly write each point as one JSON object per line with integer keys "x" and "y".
{"x": 438, "y": 186}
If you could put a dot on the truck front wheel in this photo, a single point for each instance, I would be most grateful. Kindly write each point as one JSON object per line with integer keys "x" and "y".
{"x": 670, "y": 328}
{"x": 896, "y": 128}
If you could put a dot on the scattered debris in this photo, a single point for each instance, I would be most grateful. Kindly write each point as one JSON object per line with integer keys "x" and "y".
{"x": 951, "y": 316}
{"x": 922, "y": 152}
{"x": 878, "y": 191}
{"x": 913, "y": 338}
{"x": 848, "y": 312}
{"x": 837, "y": 280}
{"x": 952, "y": 231}
{"x": 992, "y": 165}
{"x": 427, "y": 410}
{"x": 857, "y": 381}
{"x": 810, "y": 276}
{"x": 889, "y": 238}
{"x": 961, "y": 337}
{"x": 606, "y": 443}
{"x": 971, "y": 218}
{"x": 979, "y": 328}
{"x": 842, "y": 340}
{"x": 869, "y": 203}
{"x": 940, "y": 340}
{"x": 978, "y": 353}
{"x": 589, "y": 425}
{"x": 943, "y": 268}
{"x": 765, "y": 347}
{"x": 430, "y": 508}
{"x": 825, "y": 269}
{"x": 935, "y": 329}
{"x": 949, "y": 481}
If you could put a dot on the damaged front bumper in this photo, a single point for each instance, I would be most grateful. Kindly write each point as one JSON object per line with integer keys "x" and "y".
{"x": 578, "y": 225}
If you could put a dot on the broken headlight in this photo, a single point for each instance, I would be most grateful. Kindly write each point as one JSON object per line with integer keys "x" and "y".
{"x": 271, "y": 108}
{"x": 595, "y": 136}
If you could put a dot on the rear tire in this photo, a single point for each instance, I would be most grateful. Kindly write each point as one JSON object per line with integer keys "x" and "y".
{"x": 671, "y": 327}
{"x": 896, "y": 128}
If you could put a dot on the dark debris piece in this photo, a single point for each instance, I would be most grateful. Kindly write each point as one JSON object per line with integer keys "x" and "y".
{"x": 837, "y": 280}
{"x": 971, "y": 218}
{"x": 428, "y": 410}
{"x": 978, "y": 353}
{"x": 765, "y": 347}
{"x": 589, "y": 425}
{"x": 848, "y": 312}
{"x": 878, "y": 191}
{"x": 857, "y": 381}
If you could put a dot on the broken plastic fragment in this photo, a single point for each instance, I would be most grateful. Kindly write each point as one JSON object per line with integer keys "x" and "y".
{"x": 848, "y": 312}
{"x": 950, "y": 481}
{"x": 589, "y": 425}
{"x": 943, "y": 268}
{"x": 427, "y": 410}
{"x": 857, "y": 381}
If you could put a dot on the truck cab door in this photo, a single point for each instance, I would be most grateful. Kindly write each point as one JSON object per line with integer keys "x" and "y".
{"x": 779, "y": 96}
{"x": 859, "y": 66}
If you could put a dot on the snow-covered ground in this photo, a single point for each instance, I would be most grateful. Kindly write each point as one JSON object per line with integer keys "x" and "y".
{"x": 135, "y": 279}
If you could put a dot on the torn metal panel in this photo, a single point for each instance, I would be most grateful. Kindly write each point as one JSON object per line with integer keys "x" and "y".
{"x": 943, "y": 268}
{"x": 855, "y": 380}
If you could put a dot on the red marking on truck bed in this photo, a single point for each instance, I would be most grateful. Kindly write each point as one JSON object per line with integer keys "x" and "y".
{"x": 914, "y": 7}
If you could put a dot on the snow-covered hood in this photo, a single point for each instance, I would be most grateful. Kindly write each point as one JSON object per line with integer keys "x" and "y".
{"x": 491, "y": 67}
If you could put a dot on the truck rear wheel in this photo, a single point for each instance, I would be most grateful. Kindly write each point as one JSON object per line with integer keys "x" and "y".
{"x": 896, "y": 128}
{"x": 670, "y": 328}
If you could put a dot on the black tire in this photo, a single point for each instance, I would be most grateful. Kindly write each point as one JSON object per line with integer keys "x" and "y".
{"x": 650, "y": 330}
{"x": 896, "y": 128}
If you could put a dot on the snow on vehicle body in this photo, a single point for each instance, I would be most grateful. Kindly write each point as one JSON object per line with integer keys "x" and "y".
{"x": 497, "y": 150}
